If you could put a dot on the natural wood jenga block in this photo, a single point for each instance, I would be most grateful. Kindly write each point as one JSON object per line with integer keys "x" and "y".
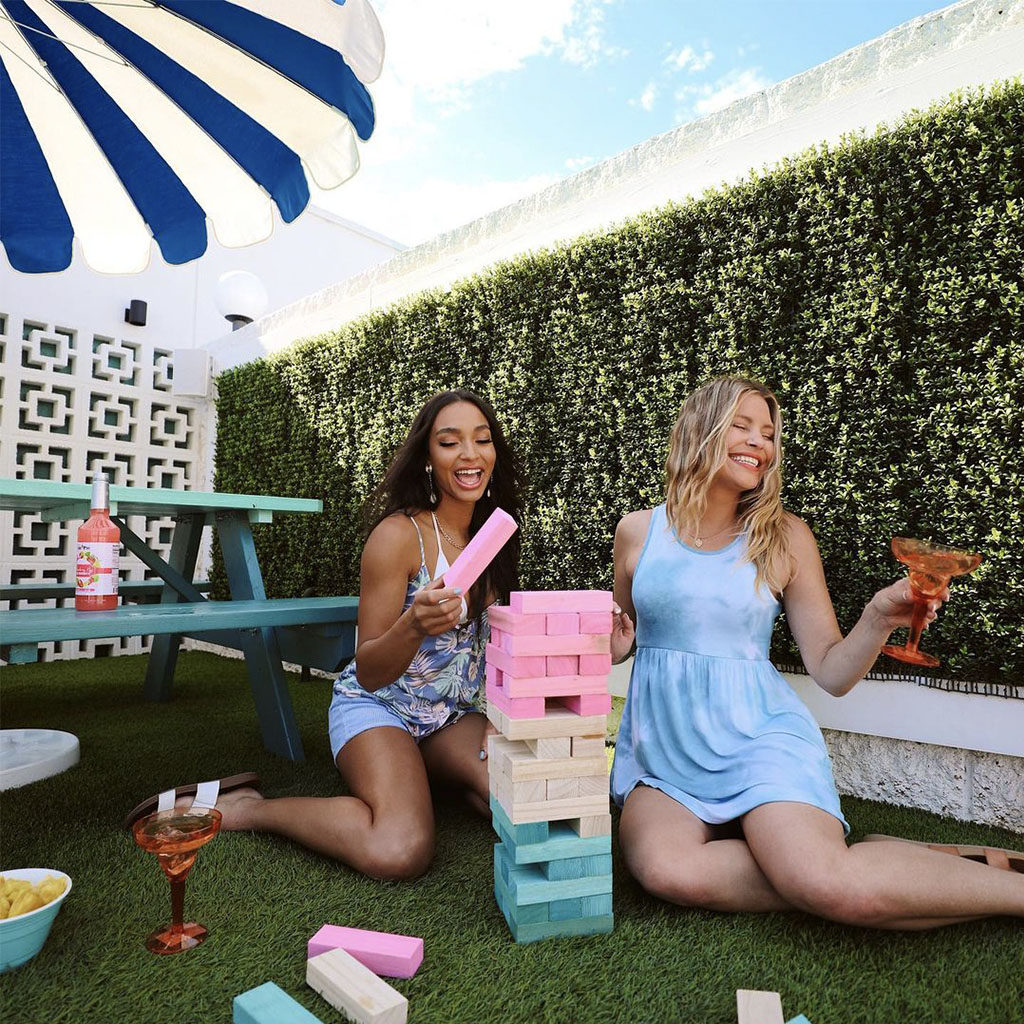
{"x": 588, "y": 746}
{"x": 555, "y": 810}
{"x": 553, "y": 746}
{"x": 563, "y": 623}
{"x": 515, "y": 759}
{"x": 562, "y": 789}
{"x": 594, "y": 785}
{"x": 592, "y": 825}
{"x": 534, "y": 602}
{"x": 596, "y": 622}
{"x": 557, "y": 722}
{"x": 757, "y": 1007}
{"x": 355, "y": 990}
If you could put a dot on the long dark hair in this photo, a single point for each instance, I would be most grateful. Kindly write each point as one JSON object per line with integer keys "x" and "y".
{"x": 406, "y": 489}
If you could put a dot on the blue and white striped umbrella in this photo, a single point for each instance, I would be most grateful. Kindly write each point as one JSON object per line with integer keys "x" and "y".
{"x": 128, "y": 121}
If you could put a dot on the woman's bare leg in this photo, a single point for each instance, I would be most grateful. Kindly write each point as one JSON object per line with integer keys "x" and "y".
{"x": 803, "y": 854}
{"x": 452, "y": 757}
{"x": 674, "y": 856}
{"x": 385, "y": 828}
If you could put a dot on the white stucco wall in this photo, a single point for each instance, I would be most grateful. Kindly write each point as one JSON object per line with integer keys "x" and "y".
{"x": 967, "y": 44}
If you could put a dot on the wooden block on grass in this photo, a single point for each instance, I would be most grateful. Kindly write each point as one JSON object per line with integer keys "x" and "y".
{"x": 757, "y": 1007}
{"x": 355, "y": 990}
{"x": 557, "y": 722}
{"x": 394, "y": 956}
{"x": 267, "y": 1004}
{"x": 538, "y": 602}
{"x": 798, "y": 1019}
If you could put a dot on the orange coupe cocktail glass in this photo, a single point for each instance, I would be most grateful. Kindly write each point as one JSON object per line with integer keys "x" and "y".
{"x": 931, "y": 566}
{"x": 175, "y": 837}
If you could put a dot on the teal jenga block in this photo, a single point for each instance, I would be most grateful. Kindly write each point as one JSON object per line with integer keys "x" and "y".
{"x": 798, "y": 1019}
{"x": 558, "y": 843}
{"x": 577, "y": 867}
{"x": 596, "y": 906}
{"x": 527, "y": 883}
{"x": 565, "y": 910}
{"x": 531, "y": 913}
{"x": 267, "y": 1004}
{"x": 548, "y": 929}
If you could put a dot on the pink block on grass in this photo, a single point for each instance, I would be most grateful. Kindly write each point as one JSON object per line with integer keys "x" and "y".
{"x": 535, "y": 602}
{"x": 595, "y": 664}
{"x": 553, "y": 645}
{"x": 564, "y": 665}
{"x": 481, "y": 550}
{"x": 596, "y": 622}
{"x": 394, "y": 956}
{"x": 563, "y": 623}
{"x": 589, "y": 703}
{"x": 522, "y": 625}
{"x": 514, "y": 666}
{"x": 520, "y": 707}
{"x": 552, "y": 686}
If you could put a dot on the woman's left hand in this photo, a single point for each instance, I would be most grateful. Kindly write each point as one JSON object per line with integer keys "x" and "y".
{"x": 489, "y": 730}
{"x": 894, "y": 605}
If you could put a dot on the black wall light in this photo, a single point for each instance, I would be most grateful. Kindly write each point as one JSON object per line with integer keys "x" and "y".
{"x": 135, "y": 314}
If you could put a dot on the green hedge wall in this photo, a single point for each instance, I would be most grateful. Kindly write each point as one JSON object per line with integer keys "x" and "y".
{"x": 875, "y": 285}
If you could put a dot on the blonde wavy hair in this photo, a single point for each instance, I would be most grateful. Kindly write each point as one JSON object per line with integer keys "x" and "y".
{"x": 697, "y": 452}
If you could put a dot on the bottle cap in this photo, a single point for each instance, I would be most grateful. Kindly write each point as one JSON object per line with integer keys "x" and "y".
{"x": 100, "y": 491}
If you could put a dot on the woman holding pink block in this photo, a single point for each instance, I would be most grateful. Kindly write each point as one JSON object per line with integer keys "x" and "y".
{"x": 403, "y": 715}
{"x": 726, "y": 788}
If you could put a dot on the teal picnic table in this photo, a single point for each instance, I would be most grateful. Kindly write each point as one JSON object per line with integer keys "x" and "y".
{"x": 314, "y": 631}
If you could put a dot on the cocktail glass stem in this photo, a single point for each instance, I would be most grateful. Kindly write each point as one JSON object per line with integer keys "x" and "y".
{"x": 917, "y": 621}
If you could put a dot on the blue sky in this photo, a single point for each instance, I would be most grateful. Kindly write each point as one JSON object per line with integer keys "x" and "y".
{"x": 484, "y": 102}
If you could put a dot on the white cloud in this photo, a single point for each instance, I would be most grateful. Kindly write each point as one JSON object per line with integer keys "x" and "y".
{"x": 575, "y": 163}
{"x": 648, "y": 96}
{"x": 700, "y": 100}
{"x": 585, "y": 43}
{"x": 688, "y": 59}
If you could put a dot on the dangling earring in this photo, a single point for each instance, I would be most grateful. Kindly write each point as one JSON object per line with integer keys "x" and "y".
{"x": 488, "y": 488}
{"x": 430, "y": 478}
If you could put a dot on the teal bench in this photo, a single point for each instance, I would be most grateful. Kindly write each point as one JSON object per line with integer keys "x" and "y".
{"x": 314, "y": 631}
{"x": 127, "y": 590}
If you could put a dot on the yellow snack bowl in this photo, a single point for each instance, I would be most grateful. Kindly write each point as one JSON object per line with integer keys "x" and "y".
{"x": 23, "y": 936}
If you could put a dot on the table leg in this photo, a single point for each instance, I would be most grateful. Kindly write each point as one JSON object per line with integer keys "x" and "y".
{"x": 262, "y": 655}
{"x": 163, "y": 656}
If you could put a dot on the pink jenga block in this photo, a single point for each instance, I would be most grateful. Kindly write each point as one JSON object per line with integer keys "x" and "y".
{"x": 516, "y": 666}
{"x": 589, "y": 703}
{"x": 394, "y": 956}
{"x": 552, "y": 645}
{"x": 564, "y": 665}
{"x": 497, "y": 635}
{"x": 522, "y": 625}
{"x": 563, "y": 623}
{"x": 519, "y": 707}
{"x": 595, "y": 664}
{"x": 535, "y": 602}
{"x": 481, "y": 550}
{"x": 493, "y": 674}
{"x": 549, "y": 686}
{"x": 596, "y": 622}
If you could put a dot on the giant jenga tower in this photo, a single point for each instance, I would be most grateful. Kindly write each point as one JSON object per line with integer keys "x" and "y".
{"x": 547, "y": 694}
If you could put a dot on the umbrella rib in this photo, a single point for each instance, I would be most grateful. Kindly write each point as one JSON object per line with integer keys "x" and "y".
{"x": 63, "y": 42}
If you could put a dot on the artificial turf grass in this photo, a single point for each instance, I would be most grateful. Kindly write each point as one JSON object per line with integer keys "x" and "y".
{"x": 262, "y": 897}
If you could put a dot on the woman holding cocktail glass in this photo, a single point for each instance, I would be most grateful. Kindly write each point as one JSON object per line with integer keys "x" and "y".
{"x": 403, "y": 715}
{"x": 726, "y": 788}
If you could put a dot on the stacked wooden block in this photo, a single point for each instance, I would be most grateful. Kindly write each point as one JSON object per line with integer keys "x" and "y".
{"x": 547, "y": 694}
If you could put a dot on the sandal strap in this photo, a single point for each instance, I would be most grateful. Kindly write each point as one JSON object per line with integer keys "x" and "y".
{"x": 165, "y": 801}
{"x": 997, "y": 858}
{"x": 206, "y": 795}
{"x": 939, "y": 848}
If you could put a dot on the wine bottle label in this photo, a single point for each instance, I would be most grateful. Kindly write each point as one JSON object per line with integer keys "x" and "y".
{"x": 96, "y": 568}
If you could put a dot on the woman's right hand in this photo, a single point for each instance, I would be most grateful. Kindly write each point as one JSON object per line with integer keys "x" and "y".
{"x": 435, "y": 608}
{"x": 623, "y": 635}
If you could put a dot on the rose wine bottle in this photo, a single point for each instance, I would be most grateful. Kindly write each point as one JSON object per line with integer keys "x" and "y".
{"x": 99, "y": 545}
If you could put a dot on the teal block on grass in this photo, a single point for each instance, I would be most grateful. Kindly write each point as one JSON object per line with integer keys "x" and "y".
{"x": 559, "y": 842}
{"x": 526, "y": 883}
{"x": 531, "y": 913}
{"x": 596, "y": 906}
{"x": 578, "y": 867}
{"x": 267, "y": 1004}
{"x": 798, "y": 1019}
{"x": 565, "y": 910}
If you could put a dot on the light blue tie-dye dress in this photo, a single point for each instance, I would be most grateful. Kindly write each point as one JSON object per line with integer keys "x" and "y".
{"x": 708, "y": 719}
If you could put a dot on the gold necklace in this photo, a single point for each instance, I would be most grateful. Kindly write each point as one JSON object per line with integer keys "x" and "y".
{"x": 698, "y": 541}
{"x": 454, "y": 544}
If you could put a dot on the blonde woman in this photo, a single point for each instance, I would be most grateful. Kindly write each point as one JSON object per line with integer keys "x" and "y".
{"x": 726, "y": 789}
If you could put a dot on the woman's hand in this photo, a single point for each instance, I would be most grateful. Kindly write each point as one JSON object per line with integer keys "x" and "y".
{"x": 894, "y": 605}
{"x": 623, "y": 635}
{"x": 489, "y": 730}
{"x": 435, "y": 608}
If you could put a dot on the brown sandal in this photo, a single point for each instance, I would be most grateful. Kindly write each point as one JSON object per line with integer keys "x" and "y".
{"x": 149, "y": 805}
{"x": 1006, "y": 860}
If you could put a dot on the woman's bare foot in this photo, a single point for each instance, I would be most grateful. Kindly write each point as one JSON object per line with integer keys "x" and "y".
{"x": 232, "y": 805}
